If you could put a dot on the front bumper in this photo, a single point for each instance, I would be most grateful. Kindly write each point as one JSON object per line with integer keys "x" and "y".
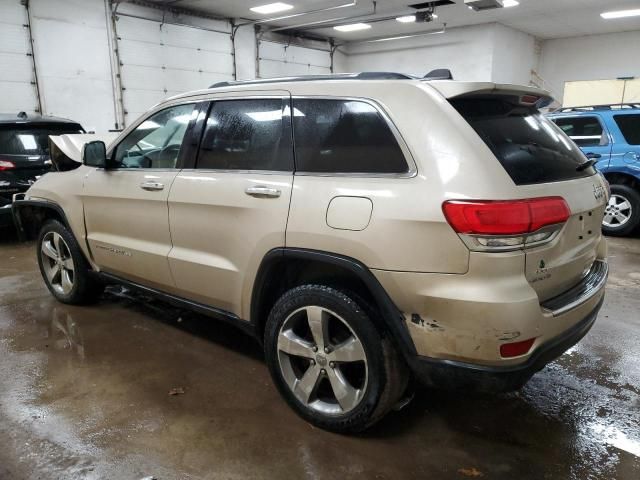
{"x": 6, "y": 216}
{"x": 457, "y": 375}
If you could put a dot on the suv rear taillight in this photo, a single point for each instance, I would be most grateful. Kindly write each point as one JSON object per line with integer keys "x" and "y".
{"x": 6, "y": 165}
{"x": 499, "y": 225}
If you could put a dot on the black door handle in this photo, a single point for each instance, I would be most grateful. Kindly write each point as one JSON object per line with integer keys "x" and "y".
{"x": 593, "y": 156}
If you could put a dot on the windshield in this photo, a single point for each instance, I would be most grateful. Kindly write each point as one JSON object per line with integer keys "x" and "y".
{"x": 531, "y": 148}
{"x": 32, "y": 140}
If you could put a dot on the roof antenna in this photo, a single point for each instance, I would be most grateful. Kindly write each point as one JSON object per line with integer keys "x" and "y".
{"x": 22, "y": 115}
{"x": 439, "y": 74}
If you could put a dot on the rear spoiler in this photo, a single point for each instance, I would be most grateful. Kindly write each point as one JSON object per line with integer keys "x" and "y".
{"x": 451, "y": 90}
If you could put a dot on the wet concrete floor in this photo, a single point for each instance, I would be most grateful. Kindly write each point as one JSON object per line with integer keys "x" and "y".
{"x": 84, "y": 395}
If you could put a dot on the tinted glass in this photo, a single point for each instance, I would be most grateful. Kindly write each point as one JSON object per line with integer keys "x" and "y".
{"x": 247, "y": 135}
{"x": 32, "y": 140}
{"x": 531, "y": 148}
{"x": 156, "y": 142}
{"x": 630, "y": 127}
{"x": 344, "y": 136}
{"x": 585, "y": 131}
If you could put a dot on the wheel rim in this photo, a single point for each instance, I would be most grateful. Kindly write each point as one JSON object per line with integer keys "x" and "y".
{"x": 322, "y": 360}
{"x": 617, "y": 212}
{"x": 57, "y": 263}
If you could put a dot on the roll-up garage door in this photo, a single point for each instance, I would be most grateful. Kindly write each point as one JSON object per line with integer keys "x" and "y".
{"x": 160, "y": 60}
{"x": 17, "y": 79}
{"x": 279, "y": 60}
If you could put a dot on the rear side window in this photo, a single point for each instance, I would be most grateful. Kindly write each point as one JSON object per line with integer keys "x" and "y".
{"x": 630, "y": 127}
{"x": 32, "y": 140}
{"x": 247, "y": 135}
{"x": 528, "y": 145}
{"x": 344, "y": 136}
{"x": 585, "y": 131}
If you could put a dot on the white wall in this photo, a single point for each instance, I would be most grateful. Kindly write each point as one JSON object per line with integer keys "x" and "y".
{"x": 490, "y": 52}
{"x": 467, "y": 52}
{"x": 595, "y": 57}
{"x": 514, "y": 55}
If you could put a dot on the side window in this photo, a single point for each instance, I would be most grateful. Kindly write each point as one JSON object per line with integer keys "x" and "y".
{"x": 630, "y": 127}
{"x": 156, "y": 142}
{"x": 585, "y": 131}
{"x": 247, "y": 135}
{"x": 344, "y": 136}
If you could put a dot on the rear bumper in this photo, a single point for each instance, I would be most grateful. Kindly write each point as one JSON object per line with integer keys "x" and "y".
{"x": 454, "y": 374}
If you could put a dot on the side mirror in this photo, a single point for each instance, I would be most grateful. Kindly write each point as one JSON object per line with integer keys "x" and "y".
{"x": 94, "y": 154}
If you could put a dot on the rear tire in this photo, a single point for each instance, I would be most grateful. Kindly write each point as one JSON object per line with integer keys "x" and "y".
{"x": 350, "y": 385}
{"x": 622, "y": 214}
{"x": 64, "y": 269}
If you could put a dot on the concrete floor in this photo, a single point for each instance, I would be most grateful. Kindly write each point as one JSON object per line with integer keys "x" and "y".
{"x": 84, "y": 394}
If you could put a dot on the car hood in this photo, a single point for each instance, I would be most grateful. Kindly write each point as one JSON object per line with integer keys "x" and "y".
{"x": 71, "y": 144}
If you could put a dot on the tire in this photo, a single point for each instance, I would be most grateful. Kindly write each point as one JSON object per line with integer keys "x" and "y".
{"x": 361, "y": 364}
{"x": 622, "y": 214}
{"x": 63, "y": 266}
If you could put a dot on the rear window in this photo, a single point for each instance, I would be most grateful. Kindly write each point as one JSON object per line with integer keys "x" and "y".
{"x": 32, "y": 140}
{"x": 531, "y": 148}
{"x": 630, "y": 127}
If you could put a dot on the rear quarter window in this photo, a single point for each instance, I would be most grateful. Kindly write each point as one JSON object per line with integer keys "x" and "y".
{"x": 531, "y": 148}
{"x": 630, "y": 127}
{"x": 344, "y": 136}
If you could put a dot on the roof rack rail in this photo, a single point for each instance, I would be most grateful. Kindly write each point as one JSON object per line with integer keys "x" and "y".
{"x": 310, "y": 78}
{"x": 591, "y": 108}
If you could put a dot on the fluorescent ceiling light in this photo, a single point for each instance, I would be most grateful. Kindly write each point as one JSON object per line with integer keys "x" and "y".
{"x": 510, "y": 3}
{"x": 410, "y": 18}
{"x": 352, "y": 28}
{"x": 406, "y": 19}
{"x": 272, "y": 8}
{"x": 621, "y": 14}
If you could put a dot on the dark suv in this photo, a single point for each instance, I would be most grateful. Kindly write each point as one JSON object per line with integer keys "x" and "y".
{"x": 24, "y": 153}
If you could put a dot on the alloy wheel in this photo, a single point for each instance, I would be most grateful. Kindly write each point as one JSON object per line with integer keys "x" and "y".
{"x": 57, "y": 263}
{"x": 617, "y": 212}
{"x": 322, "y": 360}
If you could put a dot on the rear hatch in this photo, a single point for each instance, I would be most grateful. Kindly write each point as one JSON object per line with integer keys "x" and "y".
{"x": 542, "y": 162}
{"x": 24, "y": 154}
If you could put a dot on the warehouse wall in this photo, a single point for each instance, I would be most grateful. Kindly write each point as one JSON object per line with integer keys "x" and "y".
{"x": 594, "y": 57}
{"x": 491, "y": 52}
{"x": 514, "y": 55}
{"x": 467, "y": 52}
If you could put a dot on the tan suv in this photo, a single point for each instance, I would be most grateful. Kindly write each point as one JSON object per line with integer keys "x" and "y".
{"x": 367, "y": 228}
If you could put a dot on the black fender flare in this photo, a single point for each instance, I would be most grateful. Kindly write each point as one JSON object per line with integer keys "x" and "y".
{"x": 393, "y": 318}
{"x": 17, "y": 216}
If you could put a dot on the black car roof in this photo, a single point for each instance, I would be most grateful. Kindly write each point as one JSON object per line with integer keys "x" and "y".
{"x": 24, "y": 119}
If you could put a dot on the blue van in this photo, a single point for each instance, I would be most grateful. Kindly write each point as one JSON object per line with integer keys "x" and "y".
{"x": 610, "y": 135}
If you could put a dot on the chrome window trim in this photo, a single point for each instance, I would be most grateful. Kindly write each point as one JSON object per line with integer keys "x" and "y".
{"x": 605, "y": 131}
{"x": 404, "y": 147}
{"x": 256, "y": 172}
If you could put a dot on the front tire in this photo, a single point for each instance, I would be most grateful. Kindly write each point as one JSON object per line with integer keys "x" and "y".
{"x": 64, "y": 269}
{"x": 622, "y": 213}
{"x": 329, "y": 361}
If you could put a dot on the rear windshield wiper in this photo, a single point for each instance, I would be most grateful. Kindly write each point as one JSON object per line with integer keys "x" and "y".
{"x": 584, "y": 165}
